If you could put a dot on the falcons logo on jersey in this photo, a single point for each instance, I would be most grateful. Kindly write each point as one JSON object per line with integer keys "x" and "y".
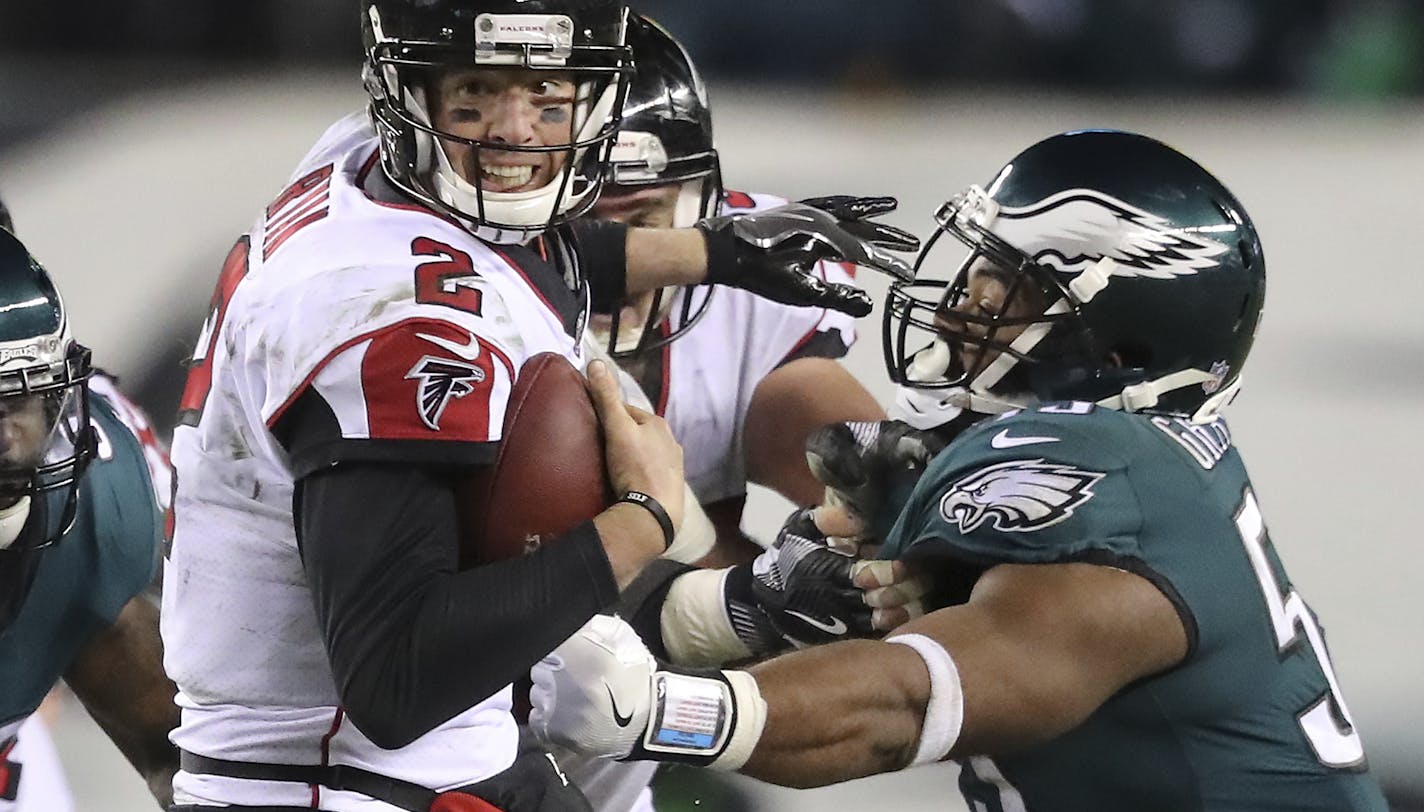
{"x": 440, "y": 380}
{"x": 1083, "y": 226}
{"x": 1019, "y": 495}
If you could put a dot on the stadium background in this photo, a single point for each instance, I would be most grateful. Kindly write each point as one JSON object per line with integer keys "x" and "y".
{"x": 138, "y": 137}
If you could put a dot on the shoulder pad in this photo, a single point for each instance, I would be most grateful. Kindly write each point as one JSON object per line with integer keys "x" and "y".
{"x": 1032, "y": 486}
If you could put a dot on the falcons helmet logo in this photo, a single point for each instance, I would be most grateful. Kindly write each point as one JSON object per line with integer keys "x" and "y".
{"x": 1019, "y": 495}
{"x": 440, "y": 380}
{"x": 1073, "y": 229}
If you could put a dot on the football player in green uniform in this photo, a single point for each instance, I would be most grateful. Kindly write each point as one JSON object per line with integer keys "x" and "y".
{"x": 1114, "y": 630}
{"x": 80, "y": 530}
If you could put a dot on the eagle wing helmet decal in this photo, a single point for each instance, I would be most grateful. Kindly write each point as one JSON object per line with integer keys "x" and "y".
{"x": 441, "y": 379}
{"x": 1071, "y": 230}
{"x": 1019, "y": 495}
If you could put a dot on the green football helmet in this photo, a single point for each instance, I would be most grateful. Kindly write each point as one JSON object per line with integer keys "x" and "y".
{"x": 1151, "y": 273}
{"x": 46, "y": 440}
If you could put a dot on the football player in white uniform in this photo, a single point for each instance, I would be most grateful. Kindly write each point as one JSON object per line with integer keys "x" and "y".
{"x": 741, "y": 381}
{"x": 354, "y": 370}
{"x": 82, "y": 486}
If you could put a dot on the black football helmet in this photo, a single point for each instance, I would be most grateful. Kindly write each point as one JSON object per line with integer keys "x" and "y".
{"x": 665, "y": 138}
{"x": 46, "y": 440}
{"x": 1151, "y": 271}
{"x": 5, "y": 221}
{"x": 408, "y": 41}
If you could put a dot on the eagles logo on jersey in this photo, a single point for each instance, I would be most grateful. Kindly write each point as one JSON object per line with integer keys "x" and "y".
{"x": 1020, "y": 495}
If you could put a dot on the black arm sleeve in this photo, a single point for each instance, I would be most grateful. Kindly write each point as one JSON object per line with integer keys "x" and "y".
{"x": 602, "y": 248}
{"x": 413, "y": 642}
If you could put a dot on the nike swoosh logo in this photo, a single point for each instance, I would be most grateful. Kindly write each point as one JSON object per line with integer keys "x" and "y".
{"x": 621, "y": 719}
{"x": 468, "y": 351}
{"x": 1003, "y": 440}
{"x": 836, "y": 626}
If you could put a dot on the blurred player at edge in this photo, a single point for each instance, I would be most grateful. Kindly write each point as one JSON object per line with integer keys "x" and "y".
{"x": 80, "y": 529}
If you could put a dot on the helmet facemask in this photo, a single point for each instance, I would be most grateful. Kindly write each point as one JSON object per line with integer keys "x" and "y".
{"x": 982, "y": 356}
{"x": 416, "y": 154}
{"x": 46, "y": 442}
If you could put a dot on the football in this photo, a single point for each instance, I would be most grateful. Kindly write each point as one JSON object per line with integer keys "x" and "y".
{"x": 548, "y": 476}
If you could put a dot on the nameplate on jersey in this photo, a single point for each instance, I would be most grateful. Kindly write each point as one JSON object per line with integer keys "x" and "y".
{"x": 1207, "y": 444}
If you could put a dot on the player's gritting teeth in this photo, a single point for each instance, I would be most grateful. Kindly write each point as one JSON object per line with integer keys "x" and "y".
{"x": 508, "y": 176}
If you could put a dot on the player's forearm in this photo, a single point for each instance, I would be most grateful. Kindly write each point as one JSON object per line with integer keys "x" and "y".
{"x": 631, "y": 538}
{"x": 789, "y": 403}
{"x": 661, "y": 257}
{"x": 119, "y": 678}
{"x": 861, "y": 716}
{"x": 411, "y": 641}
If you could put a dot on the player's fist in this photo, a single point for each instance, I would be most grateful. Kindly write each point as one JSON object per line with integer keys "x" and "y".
{"x": 639, "y": 449}
{"x": 869, "y": 469}
{"x": 812, "y": 593}
{"x": 592, "y": 694}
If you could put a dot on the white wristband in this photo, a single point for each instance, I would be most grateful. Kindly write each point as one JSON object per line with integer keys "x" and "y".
{"x": 944, "y": 713}
{"x": 695, "y": 536}
{"x": 696, "y": 630}
{"x": 748, "y": 725}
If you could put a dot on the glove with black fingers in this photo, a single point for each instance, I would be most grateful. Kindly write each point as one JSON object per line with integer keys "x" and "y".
{"x": 809, "y": 593}
{"x": 771, "y": 253}
{"x": 601, "y": 693}
{"x": 870, "y": 467}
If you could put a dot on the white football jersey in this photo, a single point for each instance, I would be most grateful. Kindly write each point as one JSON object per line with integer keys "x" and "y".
{"x": 410, "y": 329}
{"x": 711, "y": 372}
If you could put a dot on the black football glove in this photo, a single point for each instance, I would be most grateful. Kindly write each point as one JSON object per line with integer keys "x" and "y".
{"x": 771, "y": 253}
{"x": 870, "y": 467}
{"x": 802, "y": 592}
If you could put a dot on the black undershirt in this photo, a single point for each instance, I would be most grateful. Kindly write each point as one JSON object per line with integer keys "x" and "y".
{"x": 411, "y": 640}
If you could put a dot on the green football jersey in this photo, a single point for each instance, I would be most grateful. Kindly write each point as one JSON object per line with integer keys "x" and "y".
{"x": 85, "y": 578}
{"x": 1253, "y": 718}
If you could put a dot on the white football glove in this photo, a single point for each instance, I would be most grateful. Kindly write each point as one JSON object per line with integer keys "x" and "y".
{"x": 602, "y": 694}
{"x": 591, "y": 694}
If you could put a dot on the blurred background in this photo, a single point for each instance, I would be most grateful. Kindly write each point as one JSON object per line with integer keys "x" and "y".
{"x": 139, "y": 137}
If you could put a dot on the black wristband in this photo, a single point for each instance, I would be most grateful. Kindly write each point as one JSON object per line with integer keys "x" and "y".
{"x": 664, "y": 520}
{"x": 721, "y": 255}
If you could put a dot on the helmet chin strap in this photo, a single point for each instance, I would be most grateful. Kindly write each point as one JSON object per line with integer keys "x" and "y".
{"x": 692, "y": 204}
{"x": 12, "y": 521}
{"x": 1145, "y": 395}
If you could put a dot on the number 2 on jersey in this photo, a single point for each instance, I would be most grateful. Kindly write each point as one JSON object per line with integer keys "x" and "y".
{"x": 1326, "y": 723}
{"x": 440, "y": 282}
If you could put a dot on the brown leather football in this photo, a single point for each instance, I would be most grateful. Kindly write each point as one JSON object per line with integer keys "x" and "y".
{"x": 548, "y": 476}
